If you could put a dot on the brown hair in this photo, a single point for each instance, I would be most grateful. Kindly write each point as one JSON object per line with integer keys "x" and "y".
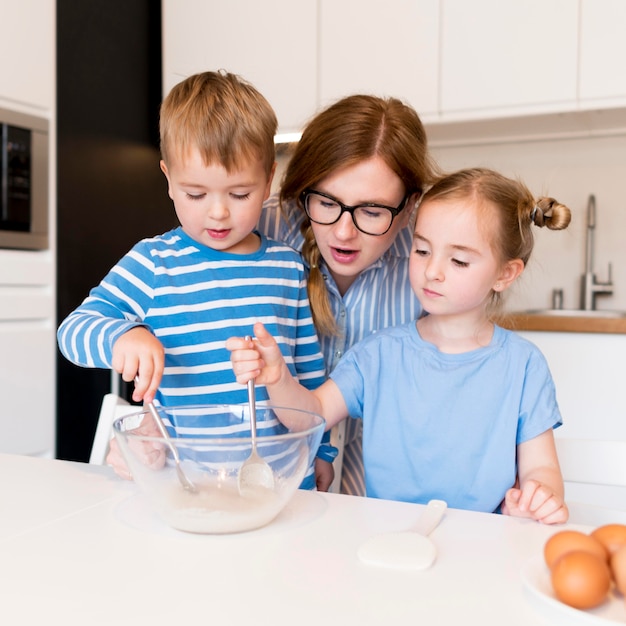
{"x": 515, "y": 208}
{"x": 354, "y": 129}
{"x": 221, "y": 115}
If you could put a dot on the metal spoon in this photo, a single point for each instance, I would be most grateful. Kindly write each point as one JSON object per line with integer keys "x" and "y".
{"x": 182, "y": 477}
{"x": 254, "y": 471}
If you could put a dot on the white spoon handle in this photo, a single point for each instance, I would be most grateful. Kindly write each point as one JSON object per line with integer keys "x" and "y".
{"x": 430, "y": 518}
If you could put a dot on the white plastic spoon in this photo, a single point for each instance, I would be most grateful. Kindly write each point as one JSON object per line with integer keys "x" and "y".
{"x": 410, "y": 550}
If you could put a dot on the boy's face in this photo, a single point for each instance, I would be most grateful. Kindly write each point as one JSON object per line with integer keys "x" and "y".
{"x": 215, "y": 208}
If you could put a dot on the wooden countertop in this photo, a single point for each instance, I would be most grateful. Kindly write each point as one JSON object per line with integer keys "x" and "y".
{"x": 567, "y": 323}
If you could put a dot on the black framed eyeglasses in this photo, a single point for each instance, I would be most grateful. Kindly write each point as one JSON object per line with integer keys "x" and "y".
{"x": 370, "y": 218}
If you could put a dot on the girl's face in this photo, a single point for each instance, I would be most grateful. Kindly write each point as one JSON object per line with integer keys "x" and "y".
{"x": 453, "y": 268}
{"x": 217, "y": 208}
{"x": 346, "y": 250}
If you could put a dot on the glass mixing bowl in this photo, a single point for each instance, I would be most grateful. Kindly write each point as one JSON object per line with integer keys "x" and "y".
{"x": 211, "y": 443}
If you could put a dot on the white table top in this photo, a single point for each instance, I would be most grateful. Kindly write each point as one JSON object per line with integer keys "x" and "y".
{"x": 79, "y": 544}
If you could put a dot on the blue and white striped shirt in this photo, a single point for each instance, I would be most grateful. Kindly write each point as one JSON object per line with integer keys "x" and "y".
{"x": 193, "y": 298}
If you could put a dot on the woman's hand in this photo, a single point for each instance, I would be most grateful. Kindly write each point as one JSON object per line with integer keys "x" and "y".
{"x": 324, "y": 474}
{"x": 536, "y": 501}
{"x": 260, "y": 358}
{"x": 139, "y": 353}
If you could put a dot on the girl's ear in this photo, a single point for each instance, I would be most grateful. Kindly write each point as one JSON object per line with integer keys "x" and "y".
{"x": 509, "y": 274}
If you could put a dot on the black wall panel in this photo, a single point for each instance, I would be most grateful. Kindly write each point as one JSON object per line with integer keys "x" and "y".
{"x": 111, "y": 192}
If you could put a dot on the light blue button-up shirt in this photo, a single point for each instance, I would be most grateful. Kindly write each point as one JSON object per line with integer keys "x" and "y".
{"x": 381, "y": 295}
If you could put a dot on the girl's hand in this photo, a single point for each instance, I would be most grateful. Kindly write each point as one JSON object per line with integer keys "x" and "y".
{"x": 260, "y": 358}
{"x": 139, "y": 353}
{"x": 537, "y": 502}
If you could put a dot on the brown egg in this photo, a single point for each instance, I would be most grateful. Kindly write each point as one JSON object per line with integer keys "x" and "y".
{"x": 581, "y": 579}
{"x": 618, "y": 568}
{"x": 568, "y": 541}
{"x": 611, "y": 536}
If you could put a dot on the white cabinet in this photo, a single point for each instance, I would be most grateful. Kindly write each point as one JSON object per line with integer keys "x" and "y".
{"x": 27, "y": 353}
{"x": 506, "y": 57}
{"x": 602, "y": 52}
{"x": 27, "y": 405}
{"x": 453, "y": 60}
{"x": 303, "y": 55}
{"x": 588, "y": 371}
{"x": 272, "y": 44}
{"x": 388, "y": 49}
{"x": 27, "y": 53}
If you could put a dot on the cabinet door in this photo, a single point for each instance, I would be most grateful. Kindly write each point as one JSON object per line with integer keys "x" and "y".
{"x": 506, "y": 58}
{"x": 388, "y": 49}
{"x": 272, "y": 44}
{"x": 588, "y": 374}
{"x": 27, "y": 50}
{"x": 27, "y": 387}
{"x": 602, "y": 50}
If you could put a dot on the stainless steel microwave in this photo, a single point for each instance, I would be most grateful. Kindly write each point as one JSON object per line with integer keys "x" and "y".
{"x": 24, "y": 181}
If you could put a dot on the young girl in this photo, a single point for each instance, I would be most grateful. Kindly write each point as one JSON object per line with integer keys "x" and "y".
{"x": 453, "y": 406}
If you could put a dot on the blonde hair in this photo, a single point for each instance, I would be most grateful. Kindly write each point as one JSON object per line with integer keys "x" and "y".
{"x": 352, "y": 130}
{"x": 515, "y": 209}
{"x": 221, "y": 115}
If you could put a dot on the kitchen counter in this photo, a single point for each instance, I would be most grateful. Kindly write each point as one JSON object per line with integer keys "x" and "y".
{"x": 80, "y": 546}
{"x": 567, "y": 323}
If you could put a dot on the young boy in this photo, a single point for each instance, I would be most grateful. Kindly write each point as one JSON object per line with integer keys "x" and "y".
{"x": 164, "y": 312}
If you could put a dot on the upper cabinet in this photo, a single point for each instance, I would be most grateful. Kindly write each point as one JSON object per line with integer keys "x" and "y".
{"x": 602, "y": 52}
{"x": 27, "y": 73}
{"x": 273, "y": 44}
{"x": 390, "y": 49}
{"x": 453, "y": 60}
{"x": 505, "y": 58}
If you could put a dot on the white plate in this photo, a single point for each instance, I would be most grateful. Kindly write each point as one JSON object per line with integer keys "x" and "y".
{"x": 536, "y": 580}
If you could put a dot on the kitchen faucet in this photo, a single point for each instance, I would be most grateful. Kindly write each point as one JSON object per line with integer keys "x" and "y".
{"x": 590, "y": 286}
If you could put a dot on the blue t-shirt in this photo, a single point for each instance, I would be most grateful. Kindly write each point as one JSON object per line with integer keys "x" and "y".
{"x": 445, "y": 426}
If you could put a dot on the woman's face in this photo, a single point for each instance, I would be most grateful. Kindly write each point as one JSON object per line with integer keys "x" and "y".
{"x": 346, "y": 250}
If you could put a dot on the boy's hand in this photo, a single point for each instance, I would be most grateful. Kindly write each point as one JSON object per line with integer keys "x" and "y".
{"x": 151, "y": 454}
{"x": 139, "y": 353}
{"x": 537, "y": 502}
{"x": 260, "y": 358}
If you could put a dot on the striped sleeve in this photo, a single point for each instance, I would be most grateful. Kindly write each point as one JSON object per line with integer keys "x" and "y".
{"x": 117, "y": 304}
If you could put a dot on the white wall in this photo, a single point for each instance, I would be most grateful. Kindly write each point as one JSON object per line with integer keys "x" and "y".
{"x": 569, "y": 170}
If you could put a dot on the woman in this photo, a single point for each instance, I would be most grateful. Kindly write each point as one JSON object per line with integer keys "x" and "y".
{"x": 347, "y": 196}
